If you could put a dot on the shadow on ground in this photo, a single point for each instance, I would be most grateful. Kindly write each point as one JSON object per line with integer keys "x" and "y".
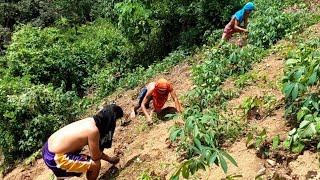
{"x": 114, "y": 171}
{"x": 165, "y": 114}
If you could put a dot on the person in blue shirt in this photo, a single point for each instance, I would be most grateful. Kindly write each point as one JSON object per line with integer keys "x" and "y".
{"x": 234, "y": 25}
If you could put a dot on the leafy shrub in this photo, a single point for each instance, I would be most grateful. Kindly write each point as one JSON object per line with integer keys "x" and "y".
{"x": 200, "y": 136}
{"x": 271, "y": 23}
{"x": 64, "y": 58}
{"x": 106, "y": 82}
{"x": 301, "y": 81}
{"x": 30, "y": 113}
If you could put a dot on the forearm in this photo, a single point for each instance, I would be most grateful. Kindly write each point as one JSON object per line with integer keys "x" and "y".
{"x": 144, "y": 110}
{"x": 240, "y": 28}
{"x": 105, "y": 157}
{"x": 178, "y": 105}
{"x": 112, "y": 160}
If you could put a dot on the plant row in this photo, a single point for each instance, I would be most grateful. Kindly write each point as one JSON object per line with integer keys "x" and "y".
{"x": 205, "y": 129}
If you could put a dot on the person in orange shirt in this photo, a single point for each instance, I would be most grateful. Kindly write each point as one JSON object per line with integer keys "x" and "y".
{"x": 158, "y": 92}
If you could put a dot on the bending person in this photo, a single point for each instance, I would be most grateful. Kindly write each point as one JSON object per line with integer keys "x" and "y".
{"x": 158, "y": 93}
{"x": 234, "y": 25}
{"x": 61, "y": 153}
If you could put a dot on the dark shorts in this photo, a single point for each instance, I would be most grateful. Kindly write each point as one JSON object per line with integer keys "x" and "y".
{"x": 66, "y": 165}
{"x": 141, "y": 96}
{"x": 229, "y": 31}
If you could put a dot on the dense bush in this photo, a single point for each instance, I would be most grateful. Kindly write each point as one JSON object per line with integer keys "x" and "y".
{"x": 64, "y": 58}
{"x": 158, "y": 27}
{"x": 273, "y": 23}
{"x": 30, "y": 113}
{"x": 301, "y": 89}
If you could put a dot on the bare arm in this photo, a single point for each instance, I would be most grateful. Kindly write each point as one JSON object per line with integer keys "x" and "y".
{"x": 144, "y": 101}
{"x": 93, "y": 142}
{"x": 113, "y": 160}
{"x": 176, "y": 101}
{"x": 237, "y": 26}
{"x": 95, "y": 152}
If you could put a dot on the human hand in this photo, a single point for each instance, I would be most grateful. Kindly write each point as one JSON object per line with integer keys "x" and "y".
{"x": 113, "y": 160}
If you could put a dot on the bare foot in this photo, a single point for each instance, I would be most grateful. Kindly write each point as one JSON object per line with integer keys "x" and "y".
{"x": 132, "y": 115}
{"x": 149, "y": 123}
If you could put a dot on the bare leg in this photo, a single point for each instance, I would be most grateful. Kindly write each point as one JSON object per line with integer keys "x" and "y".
{"x": 225, "y": 37}
{"x": 94, "y": 170}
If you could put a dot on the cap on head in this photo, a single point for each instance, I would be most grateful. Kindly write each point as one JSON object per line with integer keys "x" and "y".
{"x": 249, "y": 6}
{"x": 162, "y": 84}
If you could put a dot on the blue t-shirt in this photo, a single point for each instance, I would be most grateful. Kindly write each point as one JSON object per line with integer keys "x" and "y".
{"x": 239, "y": 15}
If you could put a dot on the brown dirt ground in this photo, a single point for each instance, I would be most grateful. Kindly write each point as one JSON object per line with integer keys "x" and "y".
{"x": 305, "y": 166}
{"x": 248, "y": 163}
{"x": 128, "y": 139}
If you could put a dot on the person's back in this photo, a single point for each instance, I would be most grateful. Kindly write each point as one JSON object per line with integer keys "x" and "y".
{"x": 74, "y": 136}
{"x": 62, "y": 152}
{"x": 151, "y": 86}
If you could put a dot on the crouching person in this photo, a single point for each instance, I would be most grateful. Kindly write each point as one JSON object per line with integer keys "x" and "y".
{"x": 61, "y": 153}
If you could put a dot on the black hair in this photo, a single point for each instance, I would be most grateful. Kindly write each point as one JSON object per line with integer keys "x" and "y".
{"x": 105, "y": 120}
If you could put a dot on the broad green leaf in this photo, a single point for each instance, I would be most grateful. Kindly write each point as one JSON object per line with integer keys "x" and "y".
{"x": 174, "y": 134}
{"x": 213, "y": 158}
{"x": 225, "y": 154}
{"x": 318, "y": 127}
{"x": 291, "y": 61}
{"x": 308, "y": 131}
{"x": 258, "y": 141}
{"x": 275, "y": 142}
{"x": 193, "y": 167}
{"x": 249, "y": 138}
{"x": 195, "y": 131}
{"x": 185, "y": 171}
{"x": 175, "y": 176}
{"x": 223, "y": 163}
{"x": 315, "y": 105}
{"x": 198, "y": 143}
{"x": 298, "y": 147}
{"x": 313, "y": 78}
{"x": 295, "y": 91}
{"x": 299, "y": 73}
{"x": 303, "y": 124}
{"x": 302, "y": 112}
{"x": 287, "y": 143}
{"x": 292, "y": 132}
{"x": 287, "y": 89}
{"x": 309, "y": 117}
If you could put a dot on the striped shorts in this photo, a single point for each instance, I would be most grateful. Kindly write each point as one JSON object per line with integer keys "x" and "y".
{"x": 66, "y": 165}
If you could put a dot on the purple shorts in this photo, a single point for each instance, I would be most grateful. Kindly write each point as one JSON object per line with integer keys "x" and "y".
{"x": 65, "y": 165}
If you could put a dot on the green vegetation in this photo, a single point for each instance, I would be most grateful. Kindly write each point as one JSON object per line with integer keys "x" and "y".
{"x": 59, "y": 58}
{"x": 301, "y": 89}
{"x": 204, "y": 127}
